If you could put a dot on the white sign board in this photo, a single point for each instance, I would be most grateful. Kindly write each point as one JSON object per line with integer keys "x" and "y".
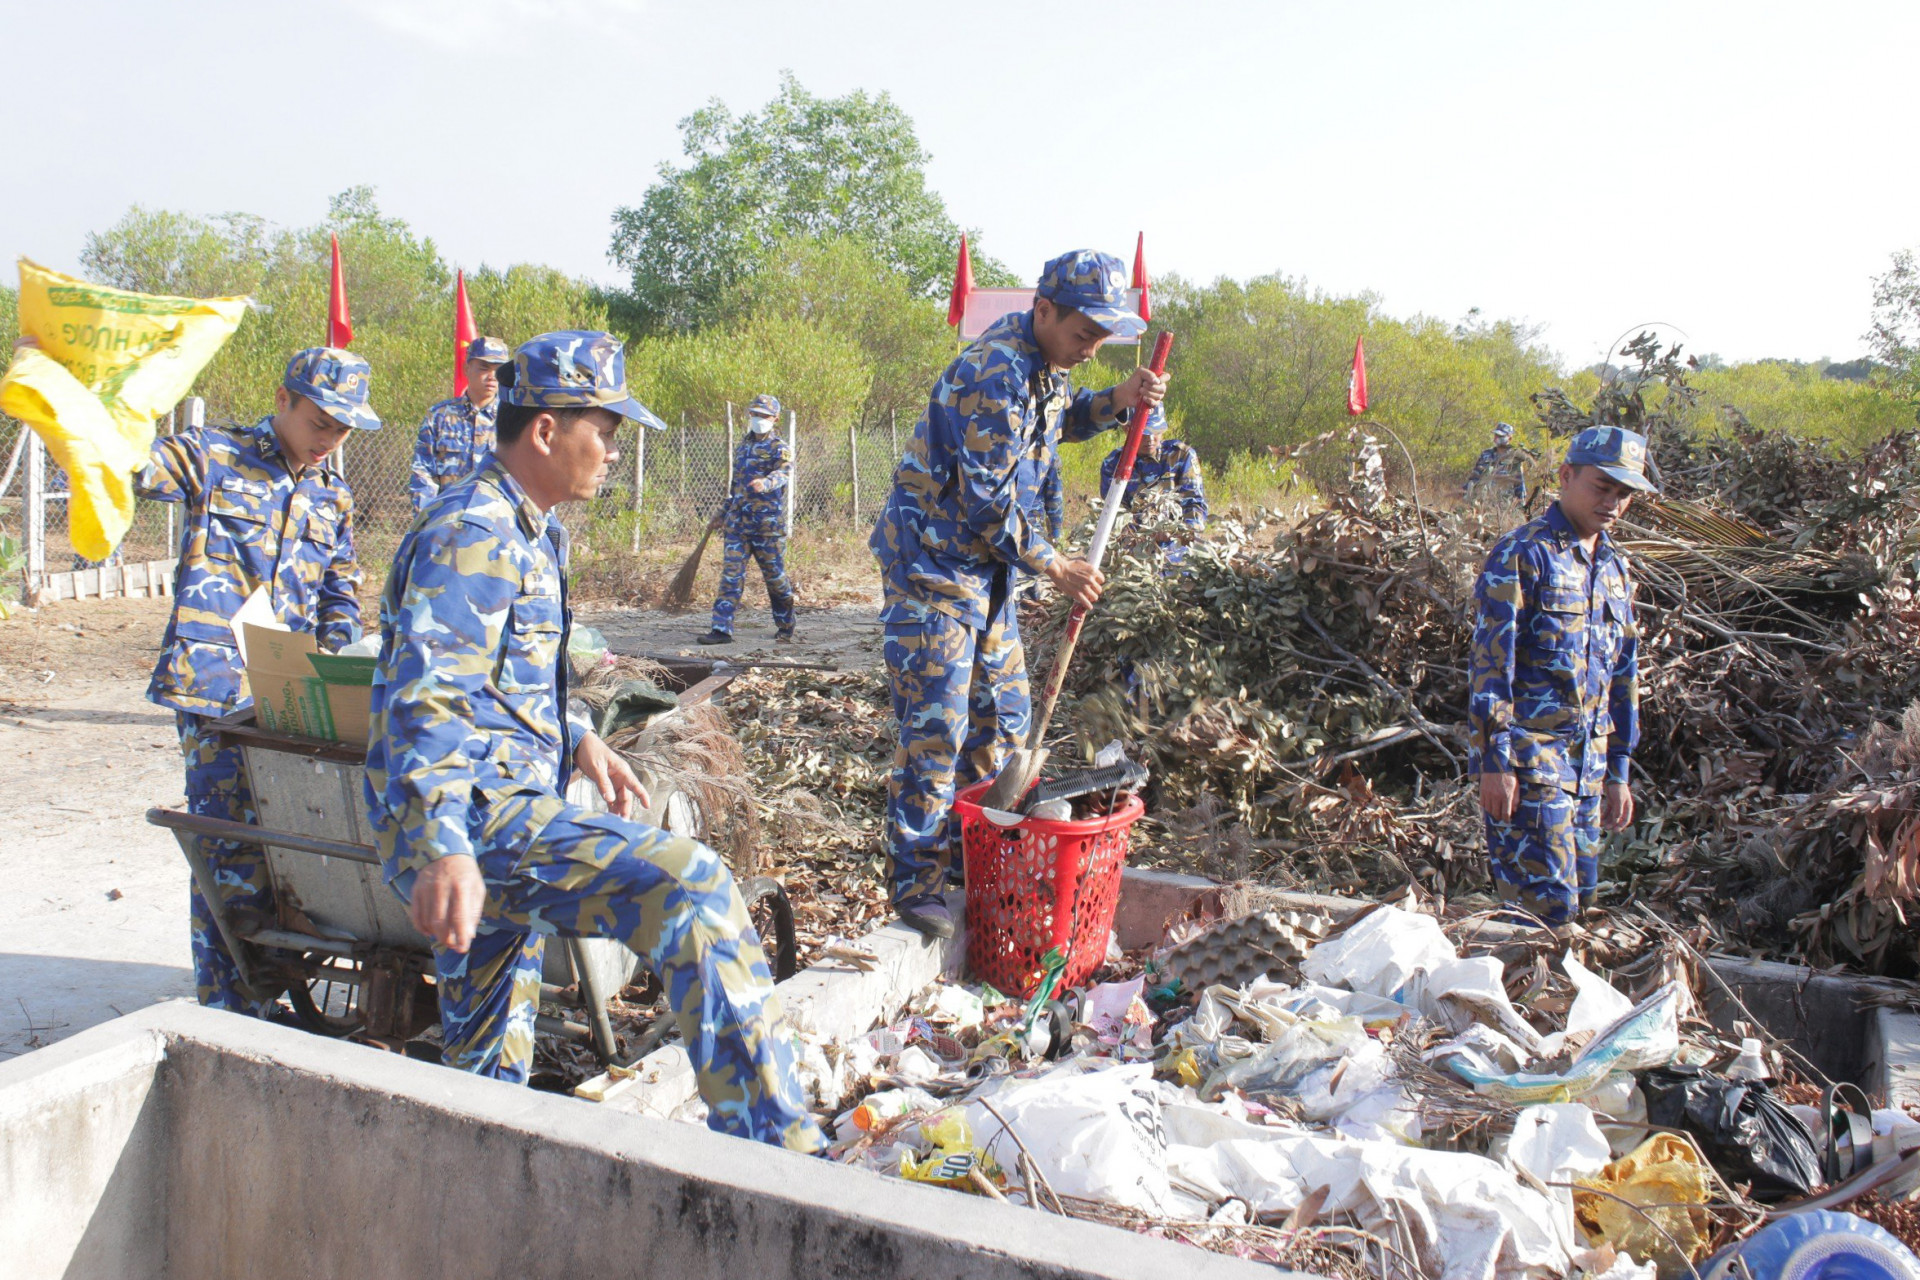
{"x": 984, "y": 306}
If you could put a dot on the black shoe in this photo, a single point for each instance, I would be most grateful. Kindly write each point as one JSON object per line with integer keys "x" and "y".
{"x": 715, "y": 637}
{"x": 932, "y": 918}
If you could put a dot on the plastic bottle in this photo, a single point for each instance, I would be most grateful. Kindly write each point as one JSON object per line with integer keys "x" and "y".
{"x": 888, "y": 1104}
{"x": 1748, "y": 1064}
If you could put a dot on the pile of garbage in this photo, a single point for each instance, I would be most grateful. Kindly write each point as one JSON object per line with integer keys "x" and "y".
{"x": 1299, "y": 690}
{"x": 1374, "y": 1104}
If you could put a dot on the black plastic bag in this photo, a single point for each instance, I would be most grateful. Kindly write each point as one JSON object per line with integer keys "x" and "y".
{"x": 1747, "y": 1134}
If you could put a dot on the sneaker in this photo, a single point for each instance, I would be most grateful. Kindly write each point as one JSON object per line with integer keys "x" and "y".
{"x": 715, "y": 636}
{"x": 931, "y": 918}
{"x": 783, "y": 637}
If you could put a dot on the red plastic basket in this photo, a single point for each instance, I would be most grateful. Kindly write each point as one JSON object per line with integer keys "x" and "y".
{"x": 1038, "y": 886}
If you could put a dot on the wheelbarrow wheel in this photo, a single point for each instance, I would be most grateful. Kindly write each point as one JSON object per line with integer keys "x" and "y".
{"x": 326, "y": 995}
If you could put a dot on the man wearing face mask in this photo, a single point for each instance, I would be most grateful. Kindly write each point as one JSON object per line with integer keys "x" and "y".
{"x": 756, "y": 523}
{"x": 1553, "y": 704}
{"x": 951, "y": 539}
{"x": 264, "y": 509}
{"x": 458, "y": 433}
{"x": 1164, "y": 465}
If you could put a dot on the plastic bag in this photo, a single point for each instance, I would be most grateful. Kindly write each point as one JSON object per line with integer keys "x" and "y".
{"x": 1096, "y": 1133}
{"x": 1379, "y": 953}
{"x": 1749, "y": 1135}
{"x": 108, "y": 363}
{"x": 1647, "y": 1037}
{"x": 1663, "y": 1179}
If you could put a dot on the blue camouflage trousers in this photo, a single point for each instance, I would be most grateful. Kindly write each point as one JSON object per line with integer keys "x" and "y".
{"x": 1546, "y": 857}
{"x": 217, "y": 788}
{"x": 767, "y": 549}
{"x": 961, "y": 698}
{"x": 556, "y": 868}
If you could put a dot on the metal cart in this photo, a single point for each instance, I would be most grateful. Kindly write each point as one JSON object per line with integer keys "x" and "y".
{"x": 340, "y": 945}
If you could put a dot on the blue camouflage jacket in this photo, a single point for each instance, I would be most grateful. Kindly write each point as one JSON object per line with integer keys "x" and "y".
{"x": 453, "y": 439}
{"x": 1554, "y": 691}
{"x": 759, "y": 457}
{"x": 248, "y": 522}
{"x": 954, "y": 524}
{"x": 1177, "y": 468}
{"x": 470, "y": 691}
{"x": 1502, "y": 472}
{"x": 1041, "y": 494}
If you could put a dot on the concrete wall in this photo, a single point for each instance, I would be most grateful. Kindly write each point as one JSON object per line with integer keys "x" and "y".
{"x": 187, "y": 1143}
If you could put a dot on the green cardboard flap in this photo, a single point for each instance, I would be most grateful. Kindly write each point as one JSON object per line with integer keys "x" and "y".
{"x": 335, "y": 669}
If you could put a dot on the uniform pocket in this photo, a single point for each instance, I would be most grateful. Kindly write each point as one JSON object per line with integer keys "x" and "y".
{"x": 531, "y": 655}
{"x": 236, "y": 518}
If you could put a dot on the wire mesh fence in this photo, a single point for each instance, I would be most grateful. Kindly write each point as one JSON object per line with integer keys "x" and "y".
{"x": 662, "y": 490}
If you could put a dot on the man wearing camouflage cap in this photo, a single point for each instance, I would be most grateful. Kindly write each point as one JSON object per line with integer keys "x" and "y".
{"x": 1164, "y": 466}
{"x": 756, "y": 523}
{"x": 457, "y": 433}
{"x": 1554, "y": 696}
{"x": 266, "y": 509}
{"x": 472, "y": 747}
{"x": 951, "y": 538}
{"x": 1501, "y": 469}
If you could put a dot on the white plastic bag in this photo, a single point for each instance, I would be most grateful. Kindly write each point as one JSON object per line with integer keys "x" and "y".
{"x": 1096, "y": 1132}
{"x": 1380, "y": 953}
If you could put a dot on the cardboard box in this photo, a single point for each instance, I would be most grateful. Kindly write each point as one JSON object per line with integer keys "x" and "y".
{"x": 300, "y": 691}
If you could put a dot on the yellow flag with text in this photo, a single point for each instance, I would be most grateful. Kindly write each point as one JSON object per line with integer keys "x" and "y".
{"x": 107, "y": 363}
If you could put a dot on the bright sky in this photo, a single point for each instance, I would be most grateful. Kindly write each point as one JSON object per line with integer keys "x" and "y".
{"x": 1724, "y": 168}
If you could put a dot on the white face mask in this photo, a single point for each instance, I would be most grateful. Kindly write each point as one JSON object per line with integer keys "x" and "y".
{"x": 759, "y": 425}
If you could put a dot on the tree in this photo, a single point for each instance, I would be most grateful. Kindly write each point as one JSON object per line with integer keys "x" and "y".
{"x": 803, "y": 166}
{"x": 1894, "y": 339}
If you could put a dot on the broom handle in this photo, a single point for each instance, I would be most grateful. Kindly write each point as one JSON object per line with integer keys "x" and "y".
{"x": 1097, "y": 553}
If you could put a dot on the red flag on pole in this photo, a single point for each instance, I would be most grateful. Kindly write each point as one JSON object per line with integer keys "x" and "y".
{"x": 464, "y": 332}
{"x": 339, "y": 323}
{"x": 962, "y": 285}
{"x": 1140, "y": 275}
{"x": 1357, "y": 384}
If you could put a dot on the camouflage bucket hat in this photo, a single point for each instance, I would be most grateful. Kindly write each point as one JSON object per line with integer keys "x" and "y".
{"x": 763, "y": 406}
{"x": 338, "y": 381}
{"x": 1619, "y": 453}
{"x": 575, "y": 369}
{"x": 1095, "y": 285}
{"x": 488, "y": 351}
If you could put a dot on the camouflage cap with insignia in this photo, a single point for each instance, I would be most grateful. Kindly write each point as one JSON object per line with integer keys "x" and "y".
{"x": 1503, "y": 432}
{"x": 1619, "y": 453}
{"x": 764, "y": 406}
{"x": 574, "y": 369}
{"x": 1095, "y": 285}
{"x": 338, "y": 381}
{"x": 488, "y": 351}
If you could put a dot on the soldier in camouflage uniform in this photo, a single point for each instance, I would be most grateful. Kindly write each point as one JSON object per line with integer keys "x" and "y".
{"x": 951, "y": 539}
{"x": 457, "y": 433}
{"x": 756, "y": 522}
{"x": 1163, "y": 464}
{"x": 473, "y": 744}
{"x": 1502, "y": 470}
{"x": 1554, "y": 703}
{"x": 264, "y": 508}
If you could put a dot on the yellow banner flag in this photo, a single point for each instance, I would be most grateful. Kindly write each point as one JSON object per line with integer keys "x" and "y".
{"x": 108, "y": 362}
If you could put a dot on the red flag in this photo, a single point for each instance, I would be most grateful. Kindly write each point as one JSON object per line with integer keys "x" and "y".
{"x": 464, "y": 332}
{"x": 1357, "y": 384}
{"x": 962, "y": 285}
{"x": 339, "y": 323}
{"x": 1140, "y": 275}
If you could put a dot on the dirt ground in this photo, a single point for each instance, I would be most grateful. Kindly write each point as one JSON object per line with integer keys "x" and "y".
{"x": 93, "y": 900}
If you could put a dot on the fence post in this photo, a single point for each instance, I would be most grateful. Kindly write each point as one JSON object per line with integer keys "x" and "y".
{"x": 729, "y": 496}
{"x": 853, "y": 468}
{"x": 36, "y": 513}
{"x": 893, "y": 430}
{"x": 683, "y": 457}
{"x": 639, "y": 479}
{"x": 793, "y": 469}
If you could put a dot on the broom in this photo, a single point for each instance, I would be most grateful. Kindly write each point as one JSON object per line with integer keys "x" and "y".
{"x": 680, "y": 590}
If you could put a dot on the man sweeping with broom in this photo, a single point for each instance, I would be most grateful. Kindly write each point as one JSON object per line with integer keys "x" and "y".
{"x": 950, "y": 538}
{"x": 756, "y": 524}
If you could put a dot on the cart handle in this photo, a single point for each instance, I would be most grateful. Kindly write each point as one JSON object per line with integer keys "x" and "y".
{"x": 247, "y": 833}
